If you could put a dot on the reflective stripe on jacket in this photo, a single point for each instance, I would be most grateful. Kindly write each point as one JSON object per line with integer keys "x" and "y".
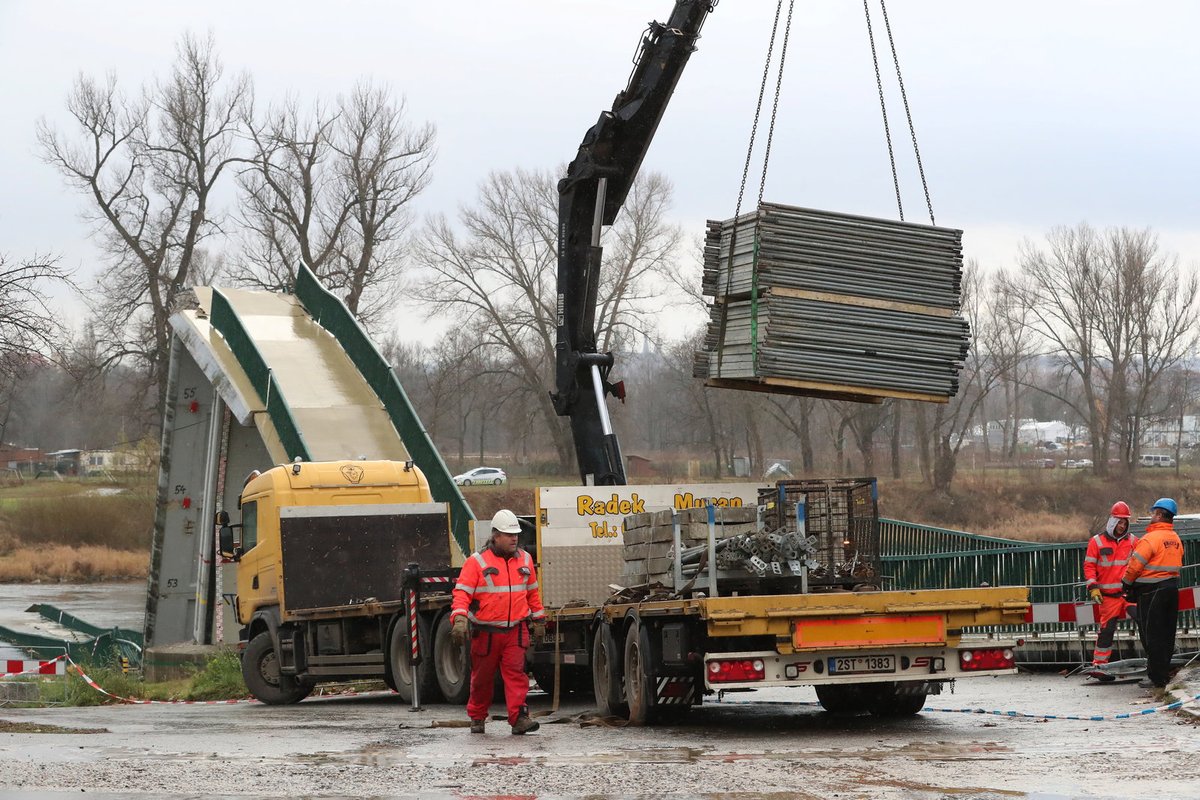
{"x": 497, "y": 592}
{"x": 1105, "y": 562}
{"x": 1158, "y": 556}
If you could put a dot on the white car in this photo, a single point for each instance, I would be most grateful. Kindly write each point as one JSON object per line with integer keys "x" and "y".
{"x": 481, "y": 475}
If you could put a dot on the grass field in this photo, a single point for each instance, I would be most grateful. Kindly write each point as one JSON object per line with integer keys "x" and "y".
{"x": 82, "y": 530}
{"x": 75, "y": 530}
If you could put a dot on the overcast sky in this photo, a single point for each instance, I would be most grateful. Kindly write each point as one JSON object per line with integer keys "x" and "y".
{"x": 1029, "y": 114}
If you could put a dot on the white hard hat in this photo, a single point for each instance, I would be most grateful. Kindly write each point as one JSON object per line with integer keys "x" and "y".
{"x": 506, "y": 521}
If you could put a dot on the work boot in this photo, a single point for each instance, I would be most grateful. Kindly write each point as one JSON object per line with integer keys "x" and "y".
{"x": 524, "y": 723}
{"x": 477, "y": 725}
{"x": 1148, "y": 684}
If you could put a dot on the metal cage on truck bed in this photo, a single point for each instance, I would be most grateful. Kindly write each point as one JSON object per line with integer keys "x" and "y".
{"x": 842, "y": 514}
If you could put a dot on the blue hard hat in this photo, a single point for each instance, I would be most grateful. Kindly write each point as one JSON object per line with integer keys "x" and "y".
{"x": 1166, "y": 504}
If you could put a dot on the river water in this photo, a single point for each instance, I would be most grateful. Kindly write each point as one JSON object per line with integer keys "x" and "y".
{"x": 118, "y": 604}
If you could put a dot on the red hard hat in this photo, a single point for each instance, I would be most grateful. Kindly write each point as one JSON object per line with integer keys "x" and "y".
{"x": 1120, "y": 509}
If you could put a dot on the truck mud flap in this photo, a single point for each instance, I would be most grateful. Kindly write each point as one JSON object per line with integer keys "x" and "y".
{"x": 674, "y": 691}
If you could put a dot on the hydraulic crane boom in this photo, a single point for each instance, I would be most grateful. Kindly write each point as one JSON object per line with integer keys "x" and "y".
{"x": 590, "y": 196}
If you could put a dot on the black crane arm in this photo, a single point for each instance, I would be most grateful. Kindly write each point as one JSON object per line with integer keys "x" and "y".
{"x": 590, "y": 196}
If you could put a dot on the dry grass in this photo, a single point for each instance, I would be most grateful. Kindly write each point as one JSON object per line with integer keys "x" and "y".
{"x": 123, "y": 521}
{"x": 74, "y": 564}
{"x": 485, "y": 501}
{"x": 1033, "y": 505}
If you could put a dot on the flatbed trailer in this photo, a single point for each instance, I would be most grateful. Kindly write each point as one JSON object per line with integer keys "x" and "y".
{"x": 346, "y": 571}
{"x": 882, "y": 652}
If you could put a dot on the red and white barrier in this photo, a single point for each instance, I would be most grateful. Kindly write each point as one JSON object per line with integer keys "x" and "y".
{"x": 1087, "y": 613}
{"x": 14, "y": 667}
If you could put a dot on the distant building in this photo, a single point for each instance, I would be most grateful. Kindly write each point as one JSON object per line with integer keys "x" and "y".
{"x": 23, "y": 459}
{"x": 65, "y": 462}
{"x": 1166, "y": 432}
{"x": 639, "y": 466}
{"x": 1032, "y": 431}
{"x": 113, "y": 461}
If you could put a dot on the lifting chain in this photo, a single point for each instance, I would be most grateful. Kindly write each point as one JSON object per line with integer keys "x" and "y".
{"x": 912, "y": 131}
{"x": 762, "y": 91}
{"x": 907, "y": 110}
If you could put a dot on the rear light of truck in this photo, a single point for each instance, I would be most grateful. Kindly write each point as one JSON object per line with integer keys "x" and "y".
{"x": 736, "y": 670}
{"x": 987, "y": 659}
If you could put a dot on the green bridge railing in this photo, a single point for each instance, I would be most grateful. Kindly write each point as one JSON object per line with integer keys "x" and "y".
{"x": 924, "y": 557}
{"x": 332, "y": 315}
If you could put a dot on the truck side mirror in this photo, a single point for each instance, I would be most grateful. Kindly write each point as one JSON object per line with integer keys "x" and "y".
{"x": 225, "y": 545}
{"x": 222, "y": 518}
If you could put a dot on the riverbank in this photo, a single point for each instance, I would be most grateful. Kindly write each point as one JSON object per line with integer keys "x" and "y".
{"x": 67, "y": 564}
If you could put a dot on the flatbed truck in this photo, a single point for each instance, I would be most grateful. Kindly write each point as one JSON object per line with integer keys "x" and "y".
{"x": 343, "y": 564}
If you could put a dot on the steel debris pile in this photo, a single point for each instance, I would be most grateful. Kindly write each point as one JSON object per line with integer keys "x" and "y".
{"x": 833, "y": 305}
{"x": 763, "y": 553}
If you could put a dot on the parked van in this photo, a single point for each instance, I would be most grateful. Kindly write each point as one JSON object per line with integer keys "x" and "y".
{"x": 1147, "y": 460}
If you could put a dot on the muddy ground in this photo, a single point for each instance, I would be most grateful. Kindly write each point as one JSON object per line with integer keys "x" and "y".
{"x": 768, "y": 744}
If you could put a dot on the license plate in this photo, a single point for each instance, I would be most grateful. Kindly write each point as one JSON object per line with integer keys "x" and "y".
{"x": 861, "y": 665}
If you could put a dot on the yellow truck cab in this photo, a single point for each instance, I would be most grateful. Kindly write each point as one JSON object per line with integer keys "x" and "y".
{"x": 326, "y": 554}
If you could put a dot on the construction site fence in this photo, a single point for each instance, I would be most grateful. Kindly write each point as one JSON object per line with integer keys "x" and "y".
{"x": 925, "y": 557}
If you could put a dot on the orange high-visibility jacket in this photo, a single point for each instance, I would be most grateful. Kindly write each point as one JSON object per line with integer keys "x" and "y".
{"x": 497, "y": 593}
{"x": 1105, "y": 562}
{"x": 1158, "y": 556}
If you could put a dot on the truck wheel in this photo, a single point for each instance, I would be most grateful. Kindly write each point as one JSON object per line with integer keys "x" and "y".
{"x": 639, "y": 680}
{"x": 890, "y": 701}
{"x": 452, "y": 663}
{"x": 606, "y": 673}
{"x": 839, "y": 699}
{"x": 260, "y": 671}
{"x": 402, "y": 671}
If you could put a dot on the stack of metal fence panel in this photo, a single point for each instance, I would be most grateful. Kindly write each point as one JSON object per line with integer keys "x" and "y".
{"x": 833, "y": 305}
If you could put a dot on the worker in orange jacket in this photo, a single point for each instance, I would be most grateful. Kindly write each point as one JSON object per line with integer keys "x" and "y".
{"x": 1104, "y": 569}
{"x": 1152, "y": 581}
{"x": 496, "y": 599}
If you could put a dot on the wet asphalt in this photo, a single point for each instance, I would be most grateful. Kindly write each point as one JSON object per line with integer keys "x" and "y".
{"x": 759, "y": 745}
{"x": 773, "y": 744}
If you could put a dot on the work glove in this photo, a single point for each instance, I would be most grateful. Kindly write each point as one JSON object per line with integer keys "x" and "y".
{"x": 458, "y": 632}
{"x": 1095, "y": 595}
{"x": 539, "y": 630}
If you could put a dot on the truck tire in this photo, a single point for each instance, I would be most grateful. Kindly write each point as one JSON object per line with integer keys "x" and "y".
{"x": 606, "y": 673}
{"x": 844, "y": 698}
{"x": 402, "y": 671}
{"x": 890, "y": 700}
{"x": 452, "y": 663}
{"x": 639, "y": 676}
{"x": 260, "y": 671}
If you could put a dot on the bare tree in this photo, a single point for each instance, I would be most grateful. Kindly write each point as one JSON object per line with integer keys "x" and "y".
{"x": 1012, "y": 341}
{"x": 1114, "y": 315}
{"x": 331, "y": 188}
{"x": 148, "y": 167}
{"x": 29, "y": 330}
{"x": 948, "y": 427}
{"x": 795, "y": 414}
{"x": 497, "y": 274}
{"x": 28, "y": 327}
